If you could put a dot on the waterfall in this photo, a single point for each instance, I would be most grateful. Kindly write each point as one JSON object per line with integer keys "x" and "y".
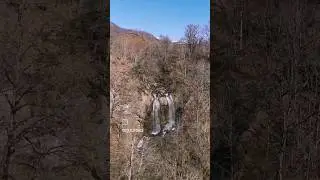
{"x": 171, "y": 109}
{"x": 155, "y": 115}
{"x": 171, "y": 116}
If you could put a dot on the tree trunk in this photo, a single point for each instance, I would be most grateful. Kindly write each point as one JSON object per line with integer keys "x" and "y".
{"x": 7, "y": 157}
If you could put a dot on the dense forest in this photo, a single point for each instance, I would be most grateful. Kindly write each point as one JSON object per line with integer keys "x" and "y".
{"x": 265, "y": 89}
{"x": 53, "y": 101}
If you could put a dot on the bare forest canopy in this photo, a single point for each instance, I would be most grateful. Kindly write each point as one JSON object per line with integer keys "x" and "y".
{"x": 141, "y": 66}
{"x": 54, "y": 104}
{"x": 265, "y": 95}
{"x": 53, "y": 114}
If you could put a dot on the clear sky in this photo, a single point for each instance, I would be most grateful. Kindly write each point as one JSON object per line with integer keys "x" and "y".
{"x": 160, "y": 17}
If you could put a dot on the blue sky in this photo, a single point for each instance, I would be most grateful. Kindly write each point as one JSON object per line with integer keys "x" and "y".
{"x": 160, "y": 17}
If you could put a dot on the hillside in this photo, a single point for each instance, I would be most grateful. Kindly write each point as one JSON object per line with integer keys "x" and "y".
{"x": 115, "y": 30}
{"x": 141, "y": 65}
{"x": 265, "y": 74}
{"x": 53, "y": 100}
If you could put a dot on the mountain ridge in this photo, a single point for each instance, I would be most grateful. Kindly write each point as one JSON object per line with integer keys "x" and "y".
{"x": 116, "y": 30}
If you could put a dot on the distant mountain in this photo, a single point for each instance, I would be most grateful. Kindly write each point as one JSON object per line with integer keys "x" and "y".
{"x": 116, "y": 30}
{"x": 135, "y": 40}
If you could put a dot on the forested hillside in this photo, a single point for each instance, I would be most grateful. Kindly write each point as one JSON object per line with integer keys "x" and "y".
{"x": 265, "y": 78}
{"x": 53, "y": 101}
{"x": 141, "y": 65}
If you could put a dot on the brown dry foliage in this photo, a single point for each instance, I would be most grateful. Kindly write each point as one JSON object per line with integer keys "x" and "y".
{"x": 180, "y": 155}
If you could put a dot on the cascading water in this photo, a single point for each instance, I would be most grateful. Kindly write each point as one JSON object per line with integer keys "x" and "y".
{"x": 155, "y": 115}
{"x": 171, "y": 116}
{"x": 172, "y": 111}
